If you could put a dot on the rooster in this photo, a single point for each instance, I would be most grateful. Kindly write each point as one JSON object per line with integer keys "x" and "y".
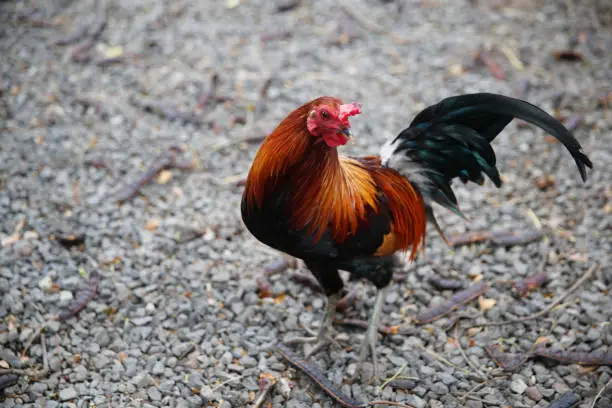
{"x": 336, "y": 213}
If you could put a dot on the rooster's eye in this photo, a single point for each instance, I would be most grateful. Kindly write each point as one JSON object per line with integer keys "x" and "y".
{"x": 325, "y": 114}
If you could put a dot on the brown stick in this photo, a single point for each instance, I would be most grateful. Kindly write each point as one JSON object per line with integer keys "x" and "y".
{"x": 465, "y": 357}
{"x": 494, "y": 68}
{"x": 163, "y": 162}
{"x": 587, "y": 274}
{"x": 503, "y": 237}
{"x": 457, "y": 300}
{"x": 315, "y": 374}
{"x": 595, "y": 358}
{"x": 445, "y": 284}
{"x": 210, "y": 95}
{"x": 82, "y": 298}
{"x": 362, "y": 324}
{"x": 165, "y": 111}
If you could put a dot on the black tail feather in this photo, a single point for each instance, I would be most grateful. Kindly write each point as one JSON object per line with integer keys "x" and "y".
{"x": 452, "y": 140}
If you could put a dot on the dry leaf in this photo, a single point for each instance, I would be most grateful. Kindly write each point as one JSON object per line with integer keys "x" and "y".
{"x": 541, "y": 340}
{"x": 152, "y": 224}
{"x": 113, "y": 52}
{"x": 164, "y": 176}
{"x": 456, "y": 70}
{"x": 476, "y": 278}
{"x": 472, "y": 331}
{"x": 267, "y": 376}
{"x": 92, "y": 142}
{"x": 30, "y": 235}
{"x": 10, "y": 240}
{"x": 122, "y": 357}
{"x": 486, "y": 303}
{"x": 578, "y": 257}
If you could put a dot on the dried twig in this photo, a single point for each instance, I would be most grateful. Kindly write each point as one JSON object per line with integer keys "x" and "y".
{"x": 33, "y": 337}
{"x": 43, "y": 345}
{"x": 465, "y": 357}
{"x": 398, "y": 377}
{"x": 163, "y": 162}
{"x": 30, "y": 372}
{"x": 83, "y": 297}
{"x": 252, "y": 139}
{"x": 211, "y": 94}
{"x": 445, "y": 284}
{"x": 587, "y": 274}
{"x": 350, "y": 9}
{"x": 315, "y": 374}
{"x": 457, "y": 300}
{"x": 347, "y": 300}
{"x": 503, "y": 237}
{"x": 609, "y": 384}
{"x": 279, "y": 265}
{"x": 362, "y": 324}
{"x": 594, "y": 358}
{"x": 494, "y": 68}
{"x": 166, "y": 111}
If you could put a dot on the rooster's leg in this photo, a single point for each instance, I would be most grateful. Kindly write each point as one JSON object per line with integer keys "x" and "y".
{"x": 369, "y": 341}
{"x": 324, "y": 335}
{"x": 330, "y": 311}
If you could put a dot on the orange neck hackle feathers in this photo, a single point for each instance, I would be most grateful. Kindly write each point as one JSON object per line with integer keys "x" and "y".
{"x": 332, "y": 192}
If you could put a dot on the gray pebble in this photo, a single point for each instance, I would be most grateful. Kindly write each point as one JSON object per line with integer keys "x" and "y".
{"x": 248, "y": 361}
{"x": 446, "y": 378}
{"x": 154, "y": 394}
{"x": 38, "y": 388}
{"x": 158, "y": 368}
{"x": 68, "y": 394}
{"x": 415, "y": 401}
{"x": 439, "y": 388}
{"x": 194, "y": 380}
{"x": 143, "y": 379}
{"x": 182, "y": 349}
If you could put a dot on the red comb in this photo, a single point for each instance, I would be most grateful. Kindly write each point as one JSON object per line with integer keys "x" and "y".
{"x": 349, "y": 109}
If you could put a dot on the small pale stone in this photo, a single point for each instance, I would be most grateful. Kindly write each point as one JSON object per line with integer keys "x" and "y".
{"x": 65, "y": 296}
{"x": 45, "y": 283}
{"x": 518, "y": 386}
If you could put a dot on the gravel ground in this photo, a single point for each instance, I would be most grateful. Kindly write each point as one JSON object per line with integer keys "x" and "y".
{"x": 179, "y": 322}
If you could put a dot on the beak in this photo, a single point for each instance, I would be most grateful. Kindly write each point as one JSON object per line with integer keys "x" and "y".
{"x": 346, "y": 131}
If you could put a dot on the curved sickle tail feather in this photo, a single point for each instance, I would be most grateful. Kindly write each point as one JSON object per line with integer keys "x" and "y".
{"x": 451, "y": 139}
